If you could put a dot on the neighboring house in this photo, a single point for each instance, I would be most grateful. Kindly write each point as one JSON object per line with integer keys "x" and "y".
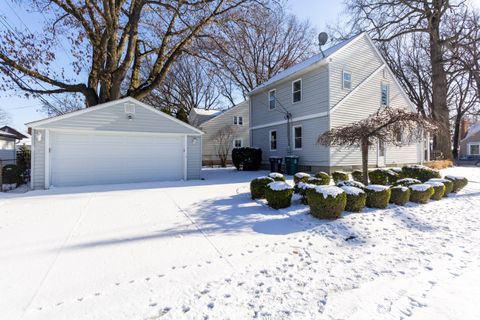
{"x": 198, "y": 116}
{"x": 121, "y": 141}
{"x": 237, "y": 118}
{"x": 9, "y": 138}
{"x": 470, "y": 143}
{"x": 348, "y": 83}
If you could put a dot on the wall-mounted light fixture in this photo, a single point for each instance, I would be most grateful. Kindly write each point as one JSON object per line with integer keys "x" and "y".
{"x": 38, "y": 136}
{"x": 194, "y": 141}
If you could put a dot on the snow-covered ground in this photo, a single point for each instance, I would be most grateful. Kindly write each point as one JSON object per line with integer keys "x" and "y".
{"x": 203, "y": 249}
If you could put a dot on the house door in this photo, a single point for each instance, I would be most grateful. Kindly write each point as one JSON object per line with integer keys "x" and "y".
{"x": 381, "y": 154}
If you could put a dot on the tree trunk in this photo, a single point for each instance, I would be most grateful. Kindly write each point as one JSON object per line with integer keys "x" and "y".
{"x": 365, "y": 145}
{"x": 456, "y": 135}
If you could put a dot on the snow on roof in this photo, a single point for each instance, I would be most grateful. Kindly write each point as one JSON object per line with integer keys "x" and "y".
{"x": 305, "y": 64}
{"x": 474, "y": 129}
{"x": 205, "y": 112}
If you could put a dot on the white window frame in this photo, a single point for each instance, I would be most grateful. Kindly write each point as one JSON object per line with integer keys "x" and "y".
{"x": 473, "y": 144}
{"x": 387, "y": 85}
{"x": 344, "y": 72}
{"x": 270, "y": 140}
{"x": 238, "y": 139}
{"x": 293, "y": 136}
{"x": 236, "y": 120}
{"x": 293, "y": 92}
{"x": 274, "y": 100}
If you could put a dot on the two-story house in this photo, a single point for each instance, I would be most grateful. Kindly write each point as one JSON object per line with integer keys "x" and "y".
{"x": 346, "y": 83}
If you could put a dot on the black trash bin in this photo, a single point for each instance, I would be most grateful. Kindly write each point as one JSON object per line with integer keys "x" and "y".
{"x": 291, "y": 164}
{"x": 276, "y": 164}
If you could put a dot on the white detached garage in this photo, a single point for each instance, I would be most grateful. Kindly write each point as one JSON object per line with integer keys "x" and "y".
{"x": 123, "y": 141}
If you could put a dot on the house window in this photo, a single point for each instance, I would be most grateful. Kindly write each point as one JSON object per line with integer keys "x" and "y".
{"x": 297, "y": 90}
{"x": 474, "y": 149}
{"x": 399, "y": 136}
{"x": 347, "y": 80}
{"x": 238, "y": 120}
{"x": 273, "y": 140}
{"x": 297, "y": 137}
{"x": 237, "y": 143}
{"x": 385, "y": 94}
{"x": 381, "y": 149}
{"x": 272, "y": 101}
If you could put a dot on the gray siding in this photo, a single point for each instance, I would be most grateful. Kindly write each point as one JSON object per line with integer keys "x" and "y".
{"x": 38, "y": 160}
{"x": 194, "y": 157}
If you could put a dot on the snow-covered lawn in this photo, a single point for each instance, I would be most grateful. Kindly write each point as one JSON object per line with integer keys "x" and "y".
{"x": 203, "y": 249}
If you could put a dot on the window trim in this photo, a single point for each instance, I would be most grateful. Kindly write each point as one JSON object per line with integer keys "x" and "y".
{"x": 274, "y": 100}
{"x": 301, "y": 91}
{"x": 270, "y": 139}
{"x": 475, "y": 143}
{"x": 387, "y": 85}
{"x": 345, "y": 71}
{"x": 236, "y": 121}
{"x": 237, "y": 139}
{"x": 301, "y": 137}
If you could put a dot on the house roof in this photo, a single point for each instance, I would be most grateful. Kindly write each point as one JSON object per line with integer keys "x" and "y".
{"x": 316, "y": 59}
{"x": 474, "y": 129}
{"x": 205, "y": 112}
{"x": 12, "y": 132}
{"x": 241, "y": 104}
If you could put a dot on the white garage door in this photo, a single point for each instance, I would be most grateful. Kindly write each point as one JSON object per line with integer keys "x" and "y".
{"x": 102, "y": 158}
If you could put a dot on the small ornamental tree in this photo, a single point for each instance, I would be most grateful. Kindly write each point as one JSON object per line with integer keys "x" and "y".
{"x": 385, "y": 125}
{"x": 223, "y": 139}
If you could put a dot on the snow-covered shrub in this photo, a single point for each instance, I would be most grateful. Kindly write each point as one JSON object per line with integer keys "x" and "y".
{"x": 458, "y": 182}
{"x": 316, "y": 181}
{"x": 421, "y": 173}
{"x": 378, "y": 176}
{"x": 326, "y": 202}
{"x": 438, "y": 188}
{"x": 421, "y": 193}
{"x": 406, "y": 182}
{"x": 258, "y": 187}
{"x": 339, "y": 176}
{"x": 447, "y": 183}
{"x": 357, "y": 175}
{"x": 356, "y": 199}
{"x": 277, "y": 176}
{"x": 11, "y": 174}
{"x": 351, "y": 183}
{"x": 400, "y": 195}
{"x": 302, "y": 188}
{"x": 378, "y": 196}
{"x": 324, "y": 177}
{"x": 279, "y": 194}
{"x": 301, "y": 177}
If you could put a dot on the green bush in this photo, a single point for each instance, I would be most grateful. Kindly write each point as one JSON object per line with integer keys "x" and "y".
{"x": 277, "y": 176}
{"x": 258, "y": 187}
{"x": 400, "y": 195}
{"x": 421, "y": 193}
{"x": 378, "y": 196}
{"x": 339, "y": 176}
{"x": 324, "y": 177}
{"x": 279, "y": 194}
{"x": 302, "y": 188}
{"x": 447, "y": 183}
{"x": 383, "y": 176}
{"x": 406, "y": 182}
{"x": 356, "y": 199}
{"x": 438, "y": 188}
{"x": 421, "y": 173}
{"x": 11, "y": 174}
{"x": 326, "y": 202}
{"x": 357, "y": 175}
{"x": 316, "y": 181}
{"x": 458, "y": 182}
{"x": 301, "y": 177}
{"x": 351, "y": 183}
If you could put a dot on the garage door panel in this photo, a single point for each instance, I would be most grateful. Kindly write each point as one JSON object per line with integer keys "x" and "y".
{"x": 99, "y": 158}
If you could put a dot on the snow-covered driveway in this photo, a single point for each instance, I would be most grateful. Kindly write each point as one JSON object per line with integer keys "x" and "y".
{"x": 197, "y": 249}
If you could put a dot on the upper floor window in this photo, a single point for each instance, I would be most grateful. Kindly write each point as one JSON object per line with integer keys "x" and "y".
{"x": 272, "y": 101}
{"x": 237, "y": 143}
{"x": 273, "y": 140}
{"x": 297, "y": 90}
{"x": 385, "y": 94}
{"x": 238, "y": 120}
{"x": 347, "y": 80}
{"x": 297, "y": 137}
{"x": 474, "y": 149}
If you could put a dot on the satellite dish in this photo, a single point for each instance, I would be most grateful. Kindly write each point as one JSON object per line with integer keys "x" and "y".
{"x": 322, "y": 39}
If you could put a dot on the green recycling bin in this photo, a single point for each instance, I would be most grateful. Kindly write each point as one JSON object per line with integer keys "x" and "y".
{"x": 291, "y": 164}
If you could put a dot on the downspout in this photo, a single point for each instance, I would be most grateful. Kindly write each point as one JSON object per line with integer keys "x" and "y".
{"x": 289, "y": 132}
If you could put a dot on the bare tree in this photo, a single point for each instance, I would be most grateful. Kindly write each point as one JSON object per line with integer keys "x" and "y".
{"x": 382, "y": 126}
{"x": 109, "y": 40}
{"x": 255, "y": 44}
{"x": 223, "y": 140}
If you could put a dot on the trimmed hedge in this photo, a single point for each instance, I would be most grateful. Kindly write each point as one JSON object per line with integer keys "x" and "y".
{"x": 302, "y": 188}
{"x": 400, "y": 195}
{"x": 339, "y": 176}
{"x": 438, "y": 188}
{"x": 406, "y": 182}
{"x": 351, "y": 183}
{"x": 258, "y": 187}
{"x": 11, "y": 174}
{"x": 447, "y": 183}
{"x": 378, "y": 196}
{"x": 277, "y": 176}
{"x": 316, "y": 181}
{"x": 301, "y": 177}
{"x": 421, "y": 173}
{"x": 383, "y": 176}
{"x": 279, "y": 194}
{"x": 326, "y": 202}
{"x": 421, "y": 193}
{"x": 356, "y": 199}
{"x": 250, "y": 159}
{"x": 458, "y": 182}
{"x": 324, "y": 176}
{"x": 357, "y": 175}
